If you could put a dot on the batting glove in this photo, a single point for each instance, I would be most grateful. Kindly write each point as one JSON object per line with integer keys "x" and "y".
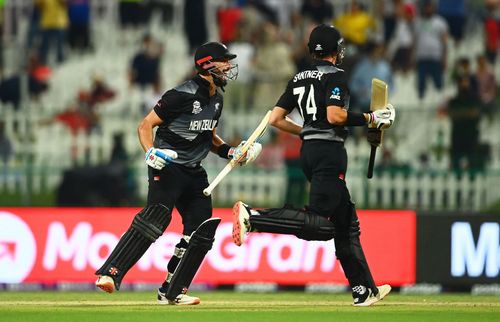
{"x": 249, "y": 156}
{"x": 383, "y": 118}
{"x": 158, "y": 158}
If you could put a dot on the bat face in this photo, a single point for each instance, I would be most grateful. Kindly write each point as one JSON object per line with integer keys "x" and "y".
{"x": 379, "y": 94}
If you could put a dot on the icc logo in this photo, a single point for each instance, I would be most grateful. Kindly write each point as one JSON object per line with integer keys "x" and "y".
{"x": 17, "y": 249}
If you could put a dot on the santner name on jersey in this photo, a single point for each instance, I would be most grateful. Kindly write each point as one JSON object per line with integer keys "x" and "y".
{"x": 202, "y": 125}
{"x": 308, "y": 74}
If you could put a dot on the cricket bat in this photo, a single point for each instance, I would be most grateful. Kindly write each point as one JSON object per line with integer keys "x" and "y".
{"x": 378, "y": 101}
{"x": 257, "y": 133}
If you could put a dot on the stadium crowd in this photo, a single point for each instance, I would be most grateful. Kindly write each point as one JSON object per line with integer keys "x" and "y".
{"x": 414, "y": 41}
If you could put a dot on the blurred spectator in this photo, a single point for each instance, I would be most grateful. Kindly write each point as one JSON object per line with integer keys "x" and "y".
{"x": 99, "y": 92}
{"x": 373, "y": 65}
{"x": 79, "y": 24}
{"x": 465, "y": 113}
{"x": 272, "y": 67}
{"x": 238, "y": 92}
{"x": 119, "y": 154}
{"x": 463, "y": 69}
{"x": 388, "y": 10}
{"x": 229, "y": 19}
{"x": 33, "y": 34}
{"x": 132, "y": 13}
{"x": 76, "y": 118}
{"x": 355, "y": 25}
{"x": 453, "y": 11}
{"x": 145, "y": 66}
{"x": 298, "y": 38}
{"x": 38, "y": 77}
{"x": 432, "y": 37}
{"x": 195, "y": 25}
{"x": 401, "y": 44}
{"x": 6, "y": 150}
{"x": 487, "y": 85}
{"x": 491, "y": 31}
{"x": 53, "y": 25}
{"x": 265, "y": 11}
{"x": 82, "y": 115}
{"x": 317, "y": 11}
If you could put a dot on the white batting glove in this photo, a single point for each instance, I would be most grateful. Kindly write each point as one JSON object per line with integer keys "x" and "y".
{"x": 382, "y": 119}
{"x": 249, "y": 156}
{"x": 158, "y": 158}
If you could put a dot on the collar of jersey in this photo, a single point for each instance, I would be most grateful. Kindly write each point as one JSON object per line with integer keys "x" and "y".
{"x": 319, "y": 62}
{"x": 203, "y": 83}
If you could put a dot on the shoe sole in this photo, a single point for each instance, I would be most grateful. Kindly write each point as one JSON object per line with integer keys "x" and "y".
{"x": 376, "y": 299}
{"x": 107, "y": 287}
{"x": 237, "y": 235}
{"x": 195, "y": 302}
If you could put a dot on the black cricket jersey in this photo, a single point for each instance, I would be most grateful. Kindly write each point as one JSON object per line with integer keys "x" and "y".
{"x": 311, "y": 91}
{"x": 189, "y": 115}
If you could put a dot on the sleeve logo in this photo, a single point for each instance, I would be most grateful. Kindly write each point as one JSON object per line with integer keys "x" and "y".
{"x": 335, "y": 94}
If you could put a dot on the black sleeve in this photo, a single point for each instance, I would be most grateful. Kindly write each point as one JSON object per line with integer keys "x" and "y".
{"x": 287, "y": 100}
{"x": 170, "y": 105}
{"x": 336, "y": 89}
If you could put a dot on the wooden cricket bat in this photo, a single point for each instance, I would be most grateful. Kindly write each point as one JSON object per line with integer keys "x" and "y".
{"x": 378, "y": 100}
{"x": 258, "y": 132}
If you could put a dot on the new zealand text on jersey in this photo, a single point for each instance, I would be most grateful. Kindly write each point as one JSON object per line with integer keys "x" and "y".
{"x": 202, "y": 125}
{"x": 308, "y": 74}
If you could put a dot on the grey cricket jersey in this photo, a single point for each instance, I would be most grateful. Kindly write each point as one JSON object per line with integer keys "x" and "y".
{"x": 311, "y": 92}
{"x": 189, "y": 115}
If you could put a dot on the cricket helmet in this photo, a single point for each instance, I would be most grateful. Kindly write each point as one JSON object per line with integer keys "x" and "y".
{"x": 210, "y": 52}
{"x": 326, "y": 39}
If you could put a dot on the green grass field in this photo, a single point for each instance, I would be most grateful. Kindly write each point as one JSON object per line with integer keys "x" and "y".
{"x": 238, "y": 307}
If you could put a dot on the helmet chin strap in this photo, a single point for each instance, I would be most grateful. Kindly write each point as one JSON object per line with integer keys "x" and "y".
{"x": 219, "y": 82}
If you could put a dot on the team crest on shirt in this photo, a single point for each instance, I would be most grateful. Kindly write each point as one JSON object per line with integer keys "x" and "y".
{"x": 335, "y": 94}
{"x": 216, "y": 106}
{"x": 196, "y": 107}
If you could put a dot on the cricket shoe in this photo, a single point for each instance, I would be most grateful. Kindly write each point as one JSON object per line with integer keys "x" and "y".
{"x": 181, "y": 299}
{"x": 364, "y": 297}
{"x": 241, "y": 222}
{"x": 106, "y": 283}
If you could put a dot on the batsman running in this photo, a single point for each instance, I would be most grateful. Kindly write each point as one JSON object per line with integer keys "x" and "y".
{"x": 321, "y": 96}
{"x": 187, "y": 117}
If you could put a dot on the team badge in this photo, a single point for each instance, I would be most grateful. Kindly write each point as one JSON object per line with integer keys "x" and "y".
{"x": 196, "y": 107}
{"x": 216, "y": 106}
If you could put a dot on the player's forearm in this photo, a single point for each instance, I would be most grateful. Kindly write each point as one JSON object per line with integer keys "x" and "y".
{"x": 145, "y": 133}
{"x": 216, "y": 143}
{"x": 338, "y": 116}
{"x": 286, "y": 125}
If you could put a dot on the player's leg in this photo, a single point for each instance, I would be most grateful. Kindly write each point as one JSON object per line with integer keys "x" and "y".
{"x": 195, "y": 208}
{"x": 200, "y": 243}
{"x": 350, "y": 253}
{"x": 146, "y": 227}
{"x": 287, "y": 220}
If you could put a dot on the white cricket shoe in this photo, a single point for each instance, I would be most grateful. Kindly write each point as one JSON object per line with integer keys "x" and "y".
{"x": 241, "y": 222}
{"x": 383, "y": 290}
{"x": 181, "y": 299}
{"x": 105, "y": 283}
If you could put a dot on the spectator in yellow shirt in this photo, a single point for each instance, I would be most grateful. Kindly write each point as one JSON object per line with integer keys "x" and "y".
{"x": 53, "y": 25}
{"x": 355, "y": 25}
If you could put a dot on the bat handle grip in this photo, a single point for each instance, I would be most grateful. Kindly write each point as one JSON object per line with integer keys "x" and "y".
{"x": 371, "y": 163}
